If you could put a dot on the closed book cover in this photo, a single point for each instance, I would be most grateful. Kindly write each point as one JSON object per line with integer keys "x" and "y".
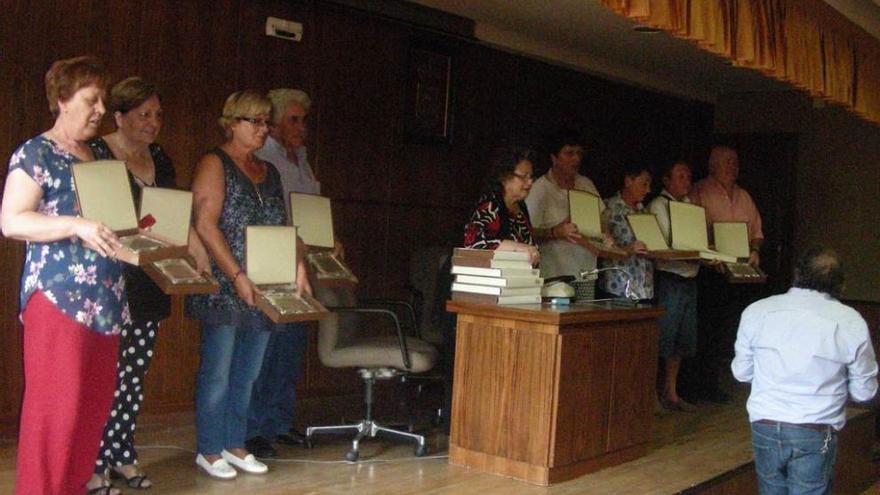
{"x": 487, "y": 299}
{"x": 490, "y": 263}
{"x": 491, "y": 254}
{"x": 495, "y": 272}
{"x": 500, "y": 282}
{"x": 496, "y": 291}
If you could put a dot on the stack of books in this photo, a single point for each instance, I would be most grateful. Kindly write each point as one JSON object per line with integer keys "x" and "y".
{"x": 495, "y": 277}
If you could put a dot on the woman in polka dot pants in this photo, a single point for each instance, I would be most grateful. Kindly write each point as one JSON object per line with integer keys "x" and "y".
{"x": 117, "y": 446}
{"x": 136, "y": 107}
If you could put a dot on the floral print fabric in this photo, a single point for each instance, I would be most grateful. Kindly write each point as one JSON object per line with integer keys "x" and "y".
{"x": 614, "y": 281}
{"x": 485, "y": 230}
{"x": 84, "y": 286}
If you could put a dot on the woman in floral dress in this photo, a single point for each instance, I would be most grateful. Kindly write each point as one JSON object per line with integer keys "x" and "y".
{"x": 73, "y": 299}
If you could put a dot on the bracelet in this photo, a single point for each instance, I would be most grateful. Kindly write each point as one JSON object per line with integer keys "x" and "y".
{"x": 239, "y": 272}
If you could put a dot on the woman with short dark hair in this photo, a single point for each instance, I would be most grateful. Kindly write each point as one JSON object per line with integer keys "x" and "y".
{"x": 501, "y": 220}
{"x": 136, "y": 106}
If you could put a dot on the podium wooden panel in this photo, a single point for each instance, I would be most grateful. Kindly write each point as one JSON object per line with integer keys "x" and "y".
{"x": 546, "y": 394}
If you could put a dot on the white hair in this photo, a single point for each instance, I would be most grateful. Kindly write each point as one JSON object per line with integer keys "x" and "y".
{"x": 284, "y": 97}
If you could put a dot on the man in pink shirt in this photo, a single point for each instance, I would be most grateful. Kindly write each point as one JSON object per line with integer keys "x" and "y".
{"x": 720, "y": 303}
{"x": 725, "y": 201}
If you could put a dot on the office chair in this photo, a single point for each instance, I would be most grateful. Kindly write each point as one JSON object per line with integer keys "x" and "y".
{"x": 341, "y": 345}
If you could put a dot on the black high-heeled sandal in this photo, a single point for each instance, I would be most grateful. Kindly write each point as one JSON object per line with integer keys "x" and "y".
{"x": 136, "y": 482}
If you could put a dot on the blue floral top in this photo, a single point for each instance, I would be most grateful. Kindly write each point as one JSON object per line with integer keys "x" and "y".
{"x": 83, "y": 285}
{"x": 641, "y": 269}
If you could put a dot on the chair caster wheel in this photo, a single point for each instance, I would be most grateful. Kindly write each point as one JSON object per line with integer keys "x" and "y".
{"x": 352, "y": 456}
{"x": 421, "y": 451}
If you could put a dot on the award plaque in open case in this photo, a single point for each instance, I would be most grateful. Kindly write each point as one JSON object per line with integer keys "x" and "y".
{"x": 171, "y": 211}
{"x": 313, "y": 218}
{"x": 104, "y": 194}
{"x": 733, "y": 238}
{"x": 646, "y": 229}
{"x": 585, "y": 212}
{"x": 270, "y": 260}
{"x": 687, "y": 224}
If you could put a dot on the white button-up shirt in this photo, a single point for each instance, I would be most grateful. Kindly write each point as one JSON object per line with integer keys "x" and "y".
{"x": 296, "y": 175}
{"x": 804, "y": 352}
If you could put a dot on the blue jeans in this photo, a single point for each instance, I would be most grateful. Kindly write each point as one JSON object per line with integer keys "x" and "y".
{"x": 230, "y": 363}
{"x": 793, "y": 460}
{"x": 271, "y": 410}
{"x": 678, "y": 326}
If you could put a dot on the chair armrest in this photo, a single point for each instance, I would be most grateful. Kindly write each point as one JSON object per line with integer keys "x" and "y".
{"x": 408, "y": 307}
{"x": 401, "y": 338}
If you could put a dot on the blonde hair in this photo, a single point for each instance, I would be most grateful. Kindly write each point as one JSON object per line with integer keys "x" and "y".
{"x": 284, "y": 97}
{"x": 65, "y": 77}
{"x": 247, "y": 103}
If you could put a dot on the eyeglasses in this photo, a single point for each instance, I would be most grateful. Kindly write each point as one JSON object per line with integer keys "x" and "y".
{"x": 524, "y": 177}
{"x": 255, "y": 121}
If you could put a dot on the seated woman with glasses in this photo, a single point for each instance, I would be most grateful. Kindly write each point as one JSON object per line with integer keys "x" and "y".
{"x": 232, "y": 189}
{"x": 500, "y": 219}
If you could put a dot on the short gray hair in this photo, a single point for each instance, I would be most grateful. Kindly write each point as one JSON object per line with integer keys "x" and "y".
{"x": 284, "y": 97}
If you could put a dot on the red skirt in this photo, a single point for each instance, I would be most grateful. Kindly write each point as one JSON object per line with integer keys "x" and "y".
{"x": 70, "y": 377}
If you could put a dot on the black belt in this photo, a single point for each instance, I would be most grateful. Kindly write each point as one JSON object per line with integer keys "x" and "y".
{"x": 809, "y": 426}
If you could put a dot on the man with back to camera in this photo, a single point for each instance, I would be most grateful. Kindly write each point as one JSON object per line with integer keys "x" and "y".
{"x": 549, "y": 211}
{"x": 804, "y": 352}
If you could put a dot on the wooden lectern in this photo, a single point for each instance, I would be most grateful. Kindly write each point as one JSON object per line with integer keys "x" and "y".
{"x": 545, "y": 394}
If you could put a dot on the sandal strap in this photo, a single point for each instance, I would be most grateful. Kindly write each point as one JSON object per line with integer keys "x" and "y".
{"x": 137, "y": 482}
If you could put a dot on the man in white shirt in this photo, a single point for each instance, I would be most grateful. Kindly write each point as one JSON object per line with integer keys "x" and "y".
{"x": 804, "y": 353}
{"x": 285, "y": 147}
{"x": 675, "y": 286}
{"x": 549, "y": 213}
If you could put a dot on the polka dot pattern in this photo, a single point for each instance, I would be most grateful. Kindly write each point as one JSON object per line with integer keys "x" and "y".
{"x": 136, "y": 351}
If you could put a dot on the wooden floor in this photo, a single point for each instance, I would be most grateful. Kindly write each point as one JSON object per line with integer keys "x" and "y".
{"x": 688, "y": 448}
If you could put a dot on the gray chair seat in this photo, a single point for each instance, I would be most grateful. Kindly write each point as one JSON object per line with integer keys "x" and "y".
{"x": 382, "y": 352}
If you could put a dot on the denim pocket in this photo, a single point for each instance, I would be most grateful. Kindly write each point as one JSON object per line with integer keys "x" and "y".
{"x": 812, "y": 461}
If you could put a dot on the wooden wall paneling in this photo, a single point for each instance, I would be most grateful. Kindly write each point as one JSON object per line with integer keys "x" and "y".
{"x": 363, "y": 229}
{"x": 268, "y": 62}
{"x": 483, "y": 118}
{"x": 170, "y": 383}
{"x": 585, "y": 416}
{"x": 550, "y": 98}
{"x": 635, "y": 356}
{"x": 359, "y": 104}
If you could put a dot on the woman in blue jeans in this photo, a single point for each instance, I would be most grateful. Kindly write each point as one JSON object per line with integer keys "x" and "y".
{"x": 232, "y": 189}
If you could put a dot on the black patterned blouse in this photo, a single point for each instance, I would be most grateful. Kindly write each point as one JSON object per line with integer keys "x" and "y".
{"x": 245, "y": 203}
{"x": 491, "y": 223}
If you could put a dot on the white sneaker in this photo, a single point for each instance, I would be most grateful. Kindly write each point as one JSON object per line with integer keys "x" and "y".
{"x": 220, "y": 469}
{"x": 249, "y": 464}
